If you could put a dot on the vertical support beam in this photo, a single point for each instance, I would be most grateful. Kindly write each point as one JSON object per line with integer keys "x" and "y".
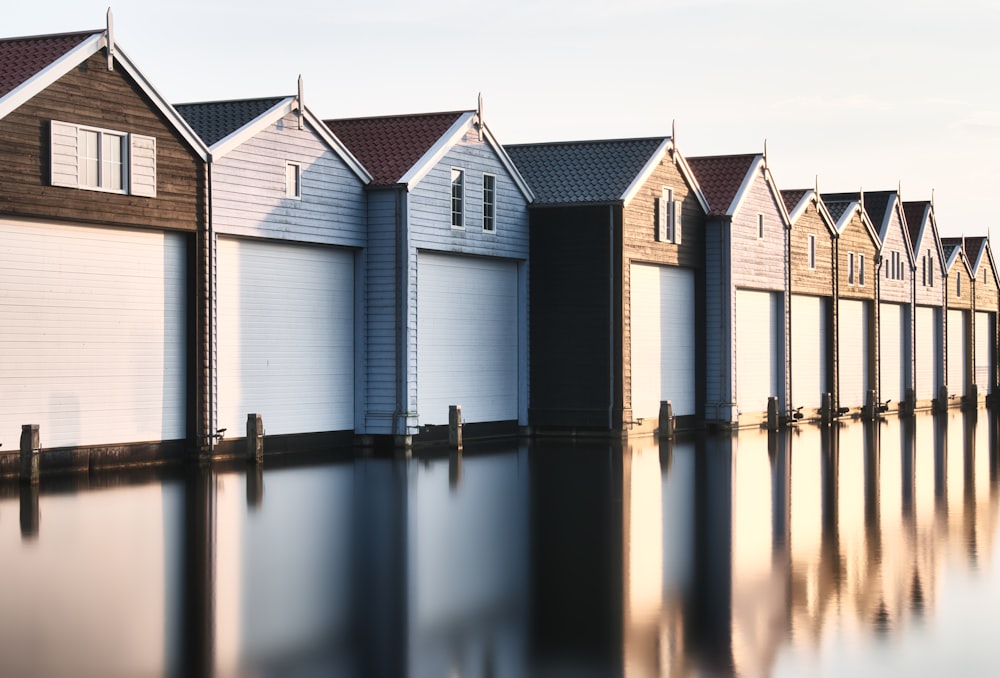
{"x": 255, "y": 438}
{"x": 666, "y": 420}
{"x": 30, "y": 453}
{"x": 455, "y": 426}
{"x": 826, "y": 408}
{"x": 772, "y": 413}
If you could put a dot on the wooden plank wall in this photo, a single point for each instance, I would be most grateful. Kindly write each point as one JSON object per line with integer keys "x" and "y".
{"x": 818, "y": 281}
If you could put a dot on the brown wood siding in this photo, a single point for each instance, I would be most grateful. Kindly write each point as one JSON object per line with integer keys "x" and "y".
{"x": 639, "y": 245}
{"x": 92, "y": 95}
{"x": 929, "y": 295}
{"x": 892, "y": 287}
{"x": 963, "y": 300}
{"x": 855, "y": 238}
{"x": 986, "y": 292}
{"x": 818, "y": 281}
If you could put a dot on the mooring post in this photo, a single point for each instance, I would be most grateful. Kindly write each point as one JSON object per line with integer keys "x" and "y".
{"x": 666, "y": 419}
{"x": 30, "y": 453}
{"x": 826, "y": 408}
{"x": 868, "y": 411}
{"x": 455, "y": 426}
{"x": 772, "y": 413}
{"x": 255, "y": 438}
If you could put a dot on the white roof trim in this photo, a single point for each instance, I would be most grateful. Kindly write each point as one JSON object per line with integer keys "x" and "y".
{"x": 801, "y": 205}
{"x": 48, "y": 75}
{"x": 743, "y": 190}
{"x": 508, "y": 163}
{"x": 640, "y": 179}
{"x": 921, "y": 231}
{"x": 689, "y": 176}
{"x": 238, "y": 137}
{"x": 957, "y": 253}
{"x": 433, "y": 154}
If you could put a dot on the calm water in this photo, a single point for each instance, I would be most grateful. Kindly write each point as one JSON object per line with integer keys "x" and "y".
{"x": 864, "y": 551}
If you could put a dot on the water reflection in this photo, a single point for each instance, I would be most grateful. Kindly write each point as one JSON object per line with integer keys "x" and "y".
{"x": 842, "y": 550}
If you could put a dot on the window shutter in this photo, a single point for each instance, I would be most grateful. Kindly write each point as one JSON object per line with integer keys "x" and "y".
{"x": 676, "y": 216}
{"x": 63, "y": 142}
{"x": 662, "y": 216}
{"x": 142, "y": 165}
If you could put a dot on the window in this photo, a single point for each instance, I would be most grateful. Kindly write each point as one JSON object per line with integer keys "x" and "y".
{"x": 457, "y": 198}
{"x": 812, "y": 252}
{"x": 930, "y": 269}
{"x": 861, "y": 269}
{"x": 293, "y": 181}
{"x": 760, "y": 226}
{"x": 668, "y": 227}
{"x": 923, "y": 268}
{"x": 97, "y": 159}
{"x": 850, "y": 268}
{"x": 489, "y": 203}
{"x": 958, "y": 284}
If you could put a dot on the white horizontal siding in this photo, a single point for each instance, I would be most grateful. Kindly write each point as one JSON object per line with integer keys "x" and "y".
{"x": 285, "y": 336}
{"x": 957, "y": 353}
{"x": 853, "y": 360}
{"x": 758, "y": 355}
{"x": 809, "y": 351}
{"x": 92, "y": 338}
{"x": 893, "y": 352}
{"x": 381, "y": 329}
{"x": 249, "y": 194}
{"x": 985, "y": 350}
{"x": 758, "y": 263}
{"x": 928, "y": 353}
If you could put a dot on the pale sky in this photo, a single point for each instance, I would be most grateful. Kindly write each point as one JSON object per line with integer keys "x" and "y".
{"x": 864, "y": 94}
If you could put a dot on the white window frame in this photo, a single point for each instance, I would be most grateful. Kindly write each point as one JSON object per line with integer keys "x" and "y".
{"x": 668, "y": 217}
{"x": 137, "y": 163}
{"x": 958, "y": 285}
{"x": 861, "y": 269}
{"x": 102, "y": 168}
{"x": 930, "y": 269}
{"x": 850, "y": 268}
{"x": 760, "y": 226}
{"x": 812, "y": 252}
{"x": 490, "y": 204}
{"x": 457, "y": 212}
{"x": 293, "y": 180}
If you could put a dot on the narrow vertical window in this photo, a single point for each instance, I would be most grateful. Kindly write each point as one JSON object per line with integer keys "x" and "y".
{"x": 666, "y": 215}
{"x": 760, "y": 226}
{"x": 812, "y": 252}
{"x": 457, "y": 198}
{"x": 89, "y": 158}
{"x": 930, "y": 269}
{"x": 923, "y": 268}
{"x": 850, "y": 268}
{"x": 861, "y": 269}
{"x": 958, "y": 284}
{"x": 489, "y": 203}
{"x": 293, "y": 181}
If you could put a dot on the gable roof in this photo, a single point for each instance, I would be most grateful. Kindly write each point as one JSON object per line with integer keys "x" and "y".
{"x": 585, "y": 171}
{"x": 915, "y": 213}
{"x": 798, "y": 200}
{"x": 722, "y": 178}
{"x": 975, "y": 248}
{"x": 843, "y": 206}
{"x": 30, "y": 65}
{"x": 401, "y": 149}
{"x": 793, "y": 198}
{"x": 224, "y": 125}
{"x": 954, "y": 248}
{"x": 836, "y": 207}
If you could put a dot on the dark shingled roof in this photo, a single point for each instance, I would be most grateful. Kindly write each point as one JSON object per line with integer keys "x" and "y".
{"x": 837, "y": 203}
{"x": 215, "y": 120}
{"x": 389, "y": 146}
{"x": 22, "y": 58}
{"x": 582, "y": 171}
{"x": 720, "y": 178}
{"x": 914, "y": 212}
{"x": 793, "y": 197}
{"x": 876, "y": 203}
{"x": 949, "y": 245}
{"x": 973, "y": 246}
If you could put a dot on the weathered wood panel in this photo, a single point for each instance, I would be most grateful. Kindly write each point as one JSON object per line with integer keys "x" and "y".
{"x": 758, "y": 263}
{"x": 816, "y": 280}
{"x": 895, "y": 285}
{"x": 854, "y": 240}
{"x": 930, "y": 274}
{"x": 958, "y": 289}
{"x": 986, "y": 294}
{"x": 92, "y": 95}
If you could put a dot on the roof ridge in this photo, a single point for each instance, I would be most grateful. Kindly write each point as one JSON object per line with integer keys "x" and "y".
{"x": 400, "y": 115}
{"x": 588, "y": 141}
{"x": 231, "y": 101}
{"x": 46, "y": 36}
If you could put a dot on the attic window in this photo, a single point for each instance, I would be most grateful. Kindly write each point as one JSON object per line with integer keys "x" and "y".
{"x": 293, "y": 181}
{"x": 489, "y": 203}
{"x": 760, "y": 226}
{"x": 96, "y": 159}
{"x": 668, "y": 227}
{"x": 930, "y": 269}
{"x": 850, "y": 268}
{"x": 457, "y": 198}
{"x": 812, "y": 252}
{"x": 958, "y": 284}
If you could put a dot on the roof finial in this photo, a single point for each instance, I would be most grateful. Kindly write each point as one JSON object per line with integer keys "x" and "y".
{"x": 301, "y": 97}
{"x": 932, "y": 198}
{"x": 861, "y": 192}
{"x": 479, "y": 115}
{"x": 765, "y": 152}
{"x": 817, "y": 186}
{"x": 111, "y": 40}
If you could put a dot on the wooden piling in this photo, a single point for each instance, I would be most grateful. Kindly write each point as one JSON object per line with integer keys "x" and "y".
{"x": 30, "y": 453}
{"x": 255, "y": 438}
{"x": 455, "y": 427}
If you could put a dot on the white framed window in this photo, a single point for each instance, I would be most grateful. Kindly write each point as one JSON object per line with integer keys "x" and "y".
{"x": 760, "y": 226}
{"x": 489, "y": 203}
{"x": 930, "y": 269}
{"x": 923, "y": 269}
{"x": 96, "y": 159}
{"x": 457, "y": 198}
{"x": 861, "y": 269}
{"x": 812, "y": 252}
{"x": 958, "y": 284}
{"x": 293, "y": 180}
{"x": 850, "y": 268}
{"x": 668, "y": 218}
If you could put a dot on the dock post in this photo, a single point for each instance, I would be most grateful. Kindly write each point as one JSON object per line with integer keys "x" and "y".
{"x": 30, "y": 453}
{"x": 772, "y": 413}
{"x": 826, "y": 408}
{"x": 868, "y": 411}
{"x": 255, "y": 438}
{"x": 455, "y": 426}
{"x": 666, "y": 420}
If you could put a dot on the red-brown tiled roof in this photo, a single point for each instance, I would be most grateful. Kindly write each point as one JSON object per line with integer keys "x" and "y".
{"x": 793, "y": 197}
{"x": 914, "y": 213}
{"x": 21, "y": 58}
{"x": 720, "y": 178}
{"x": 389, "y": 146}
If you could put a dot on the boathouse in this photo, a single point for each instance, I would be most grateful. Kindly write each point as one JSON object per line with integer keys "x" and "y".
{"x": 288, "y": 217}
{"x": 446, "y": 276}
{"x": 102, "y": 204}
{"x": 617, "y": 249}
{"x": 959, "y": 336}
{"x": 984, "y": 291}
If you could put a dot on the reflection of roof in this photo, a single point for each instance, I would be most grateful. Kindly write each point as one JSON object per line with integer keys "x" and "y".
{"x": 792, "y": 198}
{"x": 216, "y": 120}
{"x": 22, "y": 58}
{"x": 914, "y": 212}
{"x": 390, "y": 146}
{"x": 720, "y": 178}
{"x": 582, "y": 171}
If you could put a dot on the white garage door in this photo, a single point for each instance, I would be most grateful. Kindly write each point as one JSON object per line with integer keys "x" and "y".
{"x": 957, "y": 354}
{"x": 893, "y": 353}
{"x": 285, "y": 336}
{"x": 854, "y": 351}
{"x": 985, "y": 348}
{"x": 758, "y": 355}
{"x": 662, "y": 336}
{"x": 92, "y": 334}
{"x": 467, "y": 338}
{"x": 928, "y": 353}
{"x": 809, "y": 351}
